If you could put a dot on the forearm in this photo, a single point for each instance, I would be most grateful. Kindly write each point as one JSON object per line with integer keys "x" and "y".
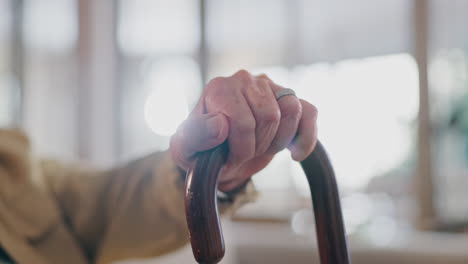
{"x": 134, "y": 211}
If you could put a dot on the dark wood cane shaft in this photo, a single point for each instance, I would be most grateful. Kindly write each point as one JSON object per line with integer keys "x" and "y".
{"x": 202, "y": 215}
{"x": 331, "y": 235}
{"x": 201, "y": 208}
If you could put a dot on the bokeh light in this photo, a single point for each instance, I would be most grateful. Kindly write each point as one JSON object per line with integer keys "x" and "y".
{"x": 167, "y": 105}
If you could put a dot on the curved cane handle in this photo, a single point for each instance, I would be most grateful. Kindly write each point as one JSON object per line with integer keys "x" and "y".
{"x": 202, "y": 214}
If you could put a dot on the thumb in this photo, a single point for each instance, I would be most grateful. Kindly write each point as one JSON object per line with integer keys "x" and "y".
{"x": 198, "y": 133}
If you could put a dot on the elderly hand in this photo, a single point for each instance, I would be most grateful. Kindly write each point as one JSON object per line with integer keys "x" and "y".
{"x": 243, "y": 109}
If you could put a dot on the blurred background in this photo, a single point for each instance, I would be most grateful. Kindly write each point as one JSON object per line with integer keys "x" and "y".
{"x": 108, "y": 81}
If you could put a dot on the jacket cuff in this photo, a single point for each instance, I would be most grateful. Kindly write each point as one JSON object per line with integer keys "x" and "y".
{"x": 228, "y": 202}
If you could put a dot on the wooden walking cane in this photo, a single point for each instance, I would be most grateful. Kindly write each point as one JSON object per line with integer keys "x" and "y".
{"x": 202, "y": 215}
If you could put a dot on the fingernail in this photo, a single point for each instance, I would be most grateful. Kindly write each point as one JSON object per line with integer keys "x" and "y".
{"x": 214, "y": 125}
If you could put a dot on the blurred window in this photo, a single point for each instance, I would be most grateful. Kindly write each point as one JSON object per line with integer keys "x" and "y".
{"x": 245, "y": 34}
{"x": 448, "y": 83}
{"x": 149, "y": 27}
{"x": 7, "y": 84}
{"x": 50, "y": 25}
{"x": 50, "y": 32}
{"x": 160, "y": 81}
{"x": 303, "y": 31}
{"x": 361, "y": 145}
{"x": 337, "y": 29}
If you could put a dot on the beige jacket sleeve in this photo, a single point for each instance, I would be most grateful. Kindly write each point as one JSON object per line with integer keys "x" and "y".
{"x": 135, "y": 211}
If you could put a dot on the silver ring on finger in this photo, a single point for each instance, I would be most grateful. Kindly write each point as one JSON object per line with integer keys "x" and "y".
{"x": 284, "y": 92}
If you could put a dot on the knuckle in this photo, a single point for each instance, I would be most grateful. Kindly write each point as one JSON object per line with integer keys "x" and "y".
{"x": 291, "y": 108}
{"x": 215, "y": 82}
{"x": 263, "y": 76}
{"x": 242, "y": 73}
{"x": 312, "y": 109}
{"x": 264, "y": 84}
{"x": 259, "y": 90}
{"x": 273, "y": 116}
{"x": 314, "y": 112}
{"x": 215, "y": 91}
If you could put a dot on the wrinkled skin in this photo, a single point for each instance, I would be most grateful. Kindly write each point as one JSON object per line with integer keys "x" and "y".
{"x": 242, "y": 108}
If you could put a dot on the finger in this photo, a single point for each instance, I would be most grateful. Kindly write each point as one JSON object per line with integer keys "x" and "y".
{"x": 266, "y": 112}
{"x": 291, "y": 112}
{"x": 306, "y": 137}
{"x": 263, "y": 76}
{"x": 241, "y": 78}
{"x": 231, "y": 180}
{"x": 241, "y": 137}
{"x": 241, "y": 134}
{"x": 198, "y": 133}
